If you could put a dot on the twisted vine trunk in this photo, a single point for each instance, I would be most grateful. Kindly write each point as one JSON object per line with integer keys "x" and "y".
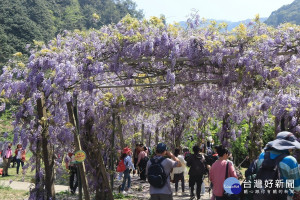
{"x": 103, "y": 190}
{"x": 256, "y": 141}
{"x": 120, "y": 132}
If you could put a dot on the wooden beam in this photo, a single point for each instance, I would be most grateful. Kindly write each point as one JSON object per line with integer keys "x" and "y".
{"x": 162, "y": 84}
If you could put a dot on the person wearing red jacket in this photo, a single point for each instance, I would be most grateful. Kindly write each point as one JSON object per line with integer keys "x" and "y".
{"x": 20, "y": 156}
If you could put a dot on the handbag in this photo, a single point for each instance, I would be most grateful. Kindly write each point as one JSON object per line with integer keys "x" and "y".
{"x": 227, "y": 196}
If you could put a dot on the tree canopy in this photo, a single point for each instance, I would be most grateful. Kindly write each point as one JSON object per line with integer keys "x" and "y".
{"x": 161, "y": 77}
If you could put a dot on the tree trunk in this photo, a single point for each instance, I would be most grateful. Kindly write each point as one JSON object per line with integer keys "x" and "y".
{"x": 38, "y": 181}
{"x": 143, "y": 134}
{"x": 47, "y": 149}
{"x": 72, "y": 111}
{"x": 106, "y": 189}
{"x": 103, "y": 191}
{"x": 156, "y": 136}
{"x": 256, "y": 141}
{"x": 120, "y": 133}
{"x": 149, "y": 140}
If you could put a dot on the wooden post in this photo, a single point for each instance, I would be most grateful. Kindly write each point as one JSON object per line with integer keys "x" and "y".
{"x": 47, "y": 148}
{"x": 135, "y": 129}
{"x": 143, "y": 134}
{"x": 73, "y": 118}
{"x": 112, "y": 160}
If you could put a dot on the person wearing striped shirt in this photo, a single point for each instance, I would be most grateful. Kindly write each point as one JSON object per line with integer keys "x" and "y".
{"x": 284, "y": 143}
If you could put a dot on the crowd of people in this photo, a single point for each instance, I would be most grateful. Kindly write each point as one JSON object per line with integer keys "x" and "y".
{"x": 8, "y": 157}
{"x": 163, "y": 168}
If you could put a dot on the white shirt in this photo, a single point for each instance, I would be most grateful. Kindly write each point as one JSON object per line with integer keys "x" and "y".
{"x": 19, "y": 155}
{"x": 179, "y": 170}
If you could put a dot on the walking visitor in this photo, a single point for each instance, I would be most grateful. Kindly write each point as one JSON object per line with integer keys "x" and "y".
{"x": 198, "y": 168}
{"x": 217, "y": 172}
{"x": 142, "y": 162}
{"x": 136, "y": 152}
{"x": 20, "y": 156}
{"x": 277, "y": 152}
{"x": 7, "y": 156}
{"x": 178, "y": 172}
{"x": 126, "y": 155}
{"x": 158, "y": 172}
{"x": 72, "y": 167}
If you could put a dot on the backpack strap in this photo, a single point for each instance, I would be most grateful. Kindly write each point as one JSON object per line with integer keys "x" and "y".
{"x": 226, "y": 173}
{"x": 278, "y": 159}
{"x": 159, "y": 160}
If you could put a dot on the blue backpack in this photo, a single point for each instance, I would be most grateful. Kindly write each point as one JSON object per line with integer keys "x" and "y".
{"x": 156, "y": 173}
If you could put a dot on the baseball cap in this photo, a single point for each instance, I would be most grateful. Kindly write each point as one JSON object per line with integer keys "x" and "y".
{"x": 161, "y": 147}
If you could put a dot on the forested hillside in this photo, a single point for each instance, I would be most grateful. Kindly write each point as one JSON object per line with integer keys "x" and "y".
{"x": 288, "y": 13}
{"x": 22, "y": 21}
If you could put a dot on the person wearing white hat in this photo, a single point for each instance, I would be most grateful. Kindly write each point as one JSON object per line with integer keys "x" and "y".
{"x": 284, "y": 143}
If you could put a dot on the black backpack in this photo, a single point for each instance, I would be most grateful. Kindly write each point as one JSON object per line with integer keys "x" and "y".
{"x": 269, "y": 170}
{"x": 143, "y": 162}
{"x": 156, "y": 173}
{"x": 210, "y": 159}
{"x": 197, "y": 165}
{"x": 209, "y": 151}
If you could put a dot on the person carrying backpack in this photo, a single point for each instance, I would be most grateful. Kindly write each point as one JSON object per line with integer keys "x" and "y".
{"x": 158, "y": 172}
{"x": 142, "y": 162}
{"x": 276, "y": 164}
{"x": 198, "y": 168}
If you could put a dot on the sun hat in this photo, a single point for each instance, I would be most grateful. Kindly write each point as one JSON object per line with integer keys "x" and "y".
{"x": 161, "y": 147}
{"x": 284, "y": 140}
{"x": 126, "y": 150}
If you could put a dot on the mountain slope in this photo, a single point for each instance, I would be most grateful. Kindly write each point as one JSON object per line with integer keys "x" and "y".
{"x": 288, "y": 13}
{"x": 22, "y": 21}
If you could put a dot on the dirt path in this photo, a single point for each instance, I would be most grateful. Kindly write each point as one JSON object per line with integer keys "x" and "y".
{"x": 140, "y": 190}
{"x": 16, "y": 185}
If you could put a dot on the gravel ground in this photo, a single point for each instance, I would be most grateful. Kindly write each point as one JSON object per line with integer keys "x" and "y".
{"x": 140, "y": 190}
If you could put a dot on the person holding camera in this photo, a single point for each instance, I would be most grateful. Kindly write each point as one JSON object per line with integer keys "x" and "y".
{"x": 158, "y": 172}
{"x": 7, "y": 156}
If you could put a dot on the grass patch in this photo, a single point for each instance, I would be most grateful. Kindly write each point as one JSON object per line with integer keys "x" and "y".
{"x": 8, "y": 194}
{"x": 121, "y": 196}
{"x": 28, "y": 177}
{"x": 3, "y": 187}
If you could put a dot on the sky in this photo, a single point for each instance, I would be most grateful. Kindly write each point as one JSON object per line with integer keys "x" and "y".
{"x": 230, "y": 10}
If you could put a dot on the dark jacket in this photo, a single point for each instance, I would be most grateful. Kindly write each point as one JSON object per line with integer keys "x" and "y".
{"x": 197, "y": 165}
